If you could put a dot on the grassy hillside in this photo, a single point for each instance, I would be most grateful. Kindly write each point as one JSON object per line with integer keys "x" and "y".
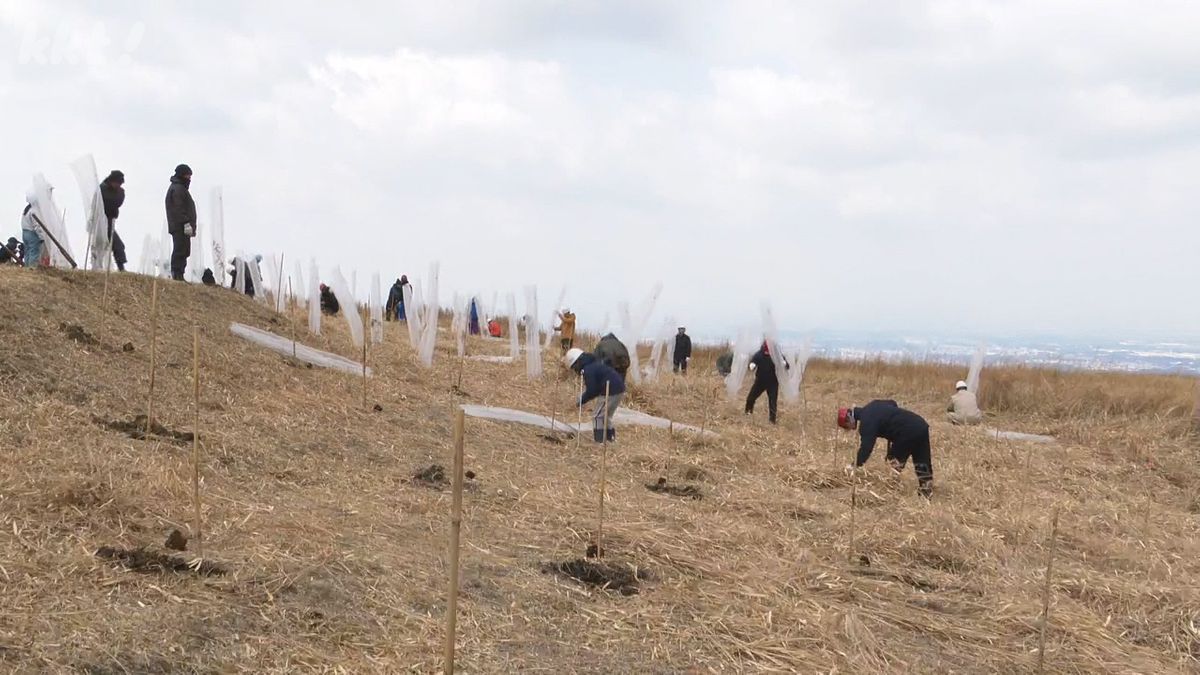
{"x": 334, "y": 557}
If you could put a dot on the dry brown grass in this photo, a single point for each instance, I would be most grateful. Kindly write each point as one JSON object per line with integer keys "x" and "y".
{"x": 337, "y": 563}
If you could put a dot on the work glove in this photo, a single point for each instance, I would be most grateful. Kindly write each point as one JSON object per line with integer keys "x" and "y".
{"x": 188, "y": 230}
{"x": 753, "y": 367}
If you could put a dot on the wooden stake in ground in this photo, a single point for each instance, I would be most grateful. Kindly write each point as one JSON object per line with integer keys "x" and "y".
{"x": 1041, "y": 663}
{"x": 853, "y": 508}
{"x": 292, "y": 314}
{"x": 455, "y": 530}
{"x": 153, "y": 355}
{"x": 708, "y": 407}
{"x": 279, "y": 287}
{"x": 366, "y": 316}
{"x": 603, "y": 468}
{"x": 196, "y": 437}
{"x": 579, "y": 426}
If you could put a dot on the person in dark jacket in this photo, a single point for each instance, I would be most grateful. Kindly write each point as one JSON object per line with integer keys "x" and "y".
{"x": 906, "y": 431}
{"x": 612, "y": 351}
{"x": 473, "y": 316}
{"x": 181, "y": 219}
{"x": 241, "y": 266}
{"x": 395, "y": 298}
{"x": 725, "y": 364}
{"x": 683, "y": 350}
{"x": 765, "y": 380}
{"x": 113, "y": 195}
{"x": 11, "y": 252}
{"x": 207, "y": 278}
{"x": 329, "y": 301}
{"x": 598, "y": 377}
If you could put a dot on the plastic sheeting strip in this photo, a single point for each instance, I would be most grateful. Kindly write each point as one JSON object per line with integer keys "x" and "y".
{"x": 305, "y": 353}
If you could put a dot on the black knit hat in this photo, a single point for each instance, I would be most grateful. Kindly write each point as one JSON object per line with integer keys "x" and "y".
{"x": 183, "y": 170}
{"x": 116, "y": 175}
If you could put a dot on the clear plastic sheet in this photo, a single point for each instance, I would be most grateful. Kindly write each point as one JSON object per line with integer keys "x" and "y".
{"x": 533, "y": 345}
{"x": 149, "y": 259}
{"x": 458, "y": 324}
{"x": 514, "y": 340}
{"x": 747, "y": 343}
{"x": 195, "y": 263}
{"x": 296, "y": 283}
{"x": 314, "y": 298}
{"x": 1019, "y": 436}
{"x": 272, "y": 275}
{"x": 376, "y": 311}
{"x": 217, "y": 199}
{"x": 51, "y": 216}
{"x": 349, "y": 309}
{"x": 429, "y": 322}
{"x": 95, "y": 222}
{"x": 554, "y": 309}
{"x": 412, "y": 316}
{"x": 794, "y": 378}
{"x": 305, "y": 353}
{"x": 260, "y": 292}
{"x": 976, "y": 368}
{"x": 621, "y": 416}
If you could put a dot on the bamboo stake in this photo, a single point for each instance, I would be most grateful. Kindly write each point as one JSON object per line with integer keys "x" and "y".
{"x": 366, "y": 315}
{"x": 104, "y": 295}
{"x": 196, "y": 435}
{"x": 603, "y": 469}
{"x": 1041, "y": 663}
{"x": 153, "y": 355}
{"x": 292, "y": 314}
{"x": 455, "y": 530}
{"x": 279, "y": 302}
{"x": 853, "y": 508}
{"x": 579, "y": 426}
{"x": 708, "y": 407}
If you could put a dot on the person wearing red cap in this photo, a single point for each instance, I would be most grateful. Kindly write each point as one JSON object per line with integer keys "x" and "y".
{"x": 907, "y": 432}
{"x": 765, "y": 380}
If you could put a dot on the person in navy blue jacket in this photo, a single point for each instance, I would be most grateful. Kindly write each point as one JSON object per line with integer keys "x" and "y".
{"x": 906, "y": 431}
{"x": 596, "y": 376}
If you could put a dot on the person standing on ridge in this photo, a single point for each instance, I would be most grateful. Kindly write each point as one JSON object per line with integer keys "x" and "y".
{"x": 963, "y": 408}
{"x": 907, "y": 432}
{"x": 329, "y": 301}
{"x": 765, "y": 380}
{"x": 112, "y": 193}
{"x": 683, "y": 350}
{"x": 31, "y": 234}
{"x": 181, "y": 219}
{"x": 566, "y": 328}
{"x": 598, "y": 378}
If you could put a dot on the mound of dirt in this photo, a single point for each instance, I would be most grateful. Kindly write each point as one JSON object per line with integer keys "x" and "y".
{"x": 624, "y": 579}
{"x": 663, "y": 487}
{"x": 77, "y": 333}
{"x": 136, "y": 429}
{"x": 148, "y": 562}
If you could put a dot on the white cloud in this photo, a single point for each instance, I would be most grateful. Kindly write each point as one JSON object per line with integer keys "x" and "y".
{"x": 976, "y": 165}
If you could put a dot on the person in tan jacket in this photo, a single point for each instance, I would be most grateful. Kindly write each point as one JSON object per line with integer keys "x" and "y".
{"x": 566, "y": 329}
{"x": 963, "y": 409}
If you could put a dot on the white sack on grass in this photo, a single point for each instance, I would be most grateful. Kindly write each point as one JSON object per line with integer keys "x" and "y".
{"x": 621, "y": 416}
{"x": 305, "y": 353}
{"x": 747, "y": 343}
{"x": 533, "y": 346}
{"x": 349, "y": 308}
{"x": 51, "y": 216}
{"x": 376, "y": 312}
{"x": 976, "y": 368}
{"x": 487, "y": 358}
{"x": 217, "y": 200}
{"x": 314, "y": 298}
{"x": 95, "y": 222}
{"x": 514, "y": 340}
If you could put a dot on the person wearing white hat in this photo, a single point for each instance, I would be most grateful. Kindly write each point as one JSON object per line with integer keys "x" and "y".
{"x": 604, "y": 384}
{"x": 963, "y": 408}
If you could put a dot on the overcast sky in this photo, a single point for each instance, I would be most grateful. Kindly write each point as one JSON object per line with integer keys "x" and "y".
{"x": 959, "y": 166}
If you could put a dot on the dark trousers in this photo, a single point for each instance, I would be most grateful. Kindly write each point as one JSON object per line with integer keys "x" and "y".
{"x": 179, "y": 255}
{"x": 680, "y": 365}
{"x": 917, "y": 447}
{"x": 118, "y": 247}
{"x": 772, "y": 388}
